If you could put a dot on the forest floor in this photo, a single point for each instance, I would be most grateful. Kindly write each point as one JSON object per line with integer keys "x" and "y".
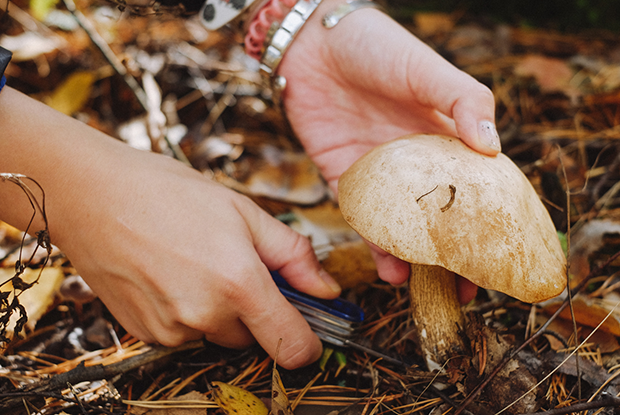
{"x": 558, "y": 114}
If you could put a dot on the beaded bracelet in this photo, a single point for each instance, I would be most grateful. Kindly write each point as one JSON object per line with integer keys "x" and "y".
{"x": 5, "y": 58}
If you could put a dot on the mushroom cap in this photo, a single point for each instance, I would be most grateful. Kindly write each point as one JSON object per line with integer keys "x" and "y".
{"x": 432, "y": 200}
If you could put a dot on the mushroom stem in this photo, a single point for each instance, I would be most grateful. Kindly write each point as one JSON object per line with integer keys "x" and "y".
{"x": 436, "y": 312}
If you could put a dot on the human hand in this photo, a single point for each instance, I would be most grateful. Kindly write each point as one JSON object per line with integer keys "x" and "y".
{"x": 181, "y": 257}
{"x": 173, "y": 255}
{"x": 368, "y": 81}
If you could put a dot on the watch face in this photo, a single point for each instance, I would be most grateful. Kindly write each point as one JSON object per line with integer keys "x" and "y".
{"x": 216, "y": 13}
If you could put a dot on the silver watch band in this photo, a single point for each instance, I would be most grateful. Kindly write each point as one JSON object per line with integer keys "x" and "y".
{"x": 281, "y": 35}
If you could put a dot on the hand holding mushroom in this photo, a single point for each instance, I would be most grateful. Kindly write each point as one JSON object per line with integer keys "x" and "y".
{"x": 445, "y": 209}
{"x": 369, "y": 80}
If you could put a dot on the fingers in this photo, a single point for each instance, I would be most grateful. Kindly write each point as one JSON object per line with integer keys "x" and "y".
{"x": 418, "y": 74}
{"x": 466, "y": 290}
{"x": 285, "y": 250}
{"x": 265, "y": 312}
{"x": 390, "y": 269}
{"x": 457, "y": 95}
{"x": 473, "y": 115}
{"x": 270, "y": 318}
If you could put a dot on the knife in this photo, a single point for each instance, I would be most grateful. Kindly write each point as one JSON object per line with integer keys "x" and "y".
{"x": 336, "y": 321}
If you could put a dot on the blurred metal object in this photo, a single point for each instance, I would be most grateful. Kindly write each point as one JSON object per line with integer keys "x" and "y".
{"x": 332, "y": 18}
{"x": 281, "y": 35}
{"x": 335, "y": 321}
{"x": 278, "y": 40}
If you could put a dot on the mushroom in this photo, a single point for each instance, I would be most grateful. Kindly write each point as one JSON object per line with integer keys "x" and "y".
{"x": 437, "y": 204}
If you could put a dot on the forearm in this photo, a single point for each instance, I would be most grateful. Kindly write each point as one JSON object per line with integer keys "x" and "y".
{"x": 63, "y": 155}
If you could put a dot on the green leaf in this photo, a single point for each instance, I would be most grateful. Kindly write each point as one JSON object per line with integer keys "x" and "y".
{"x": 563, "y": 242}
{"x": 327, "y": 352}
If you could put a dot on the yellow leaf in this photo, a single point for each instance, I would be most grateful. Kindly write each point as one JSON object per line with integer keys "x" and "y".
{"x": 236, "y": 401}
{"x": 72, "y": 93}
{"x": 430, "y": 23}
{"x": 40, "y": 8}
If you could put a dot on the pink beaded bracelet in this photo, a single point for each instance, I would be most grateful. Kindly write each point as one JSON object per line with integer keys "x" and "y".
{"x": 274, "y": 10}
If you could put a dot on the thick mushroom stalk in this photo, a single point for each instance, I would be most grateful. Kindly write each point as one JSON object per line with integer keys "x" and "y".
{"x": 437, "y": 326}
{"x": 442, "y": 207}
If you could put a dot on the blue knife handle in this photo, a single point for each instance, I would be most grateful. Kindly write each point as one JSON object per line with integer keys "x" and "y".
{"x": 339, "y": 307}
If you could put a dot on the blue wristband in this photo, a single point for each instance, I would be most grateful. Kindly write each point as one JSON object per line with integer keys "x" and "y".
{"x": 5, "y": 58}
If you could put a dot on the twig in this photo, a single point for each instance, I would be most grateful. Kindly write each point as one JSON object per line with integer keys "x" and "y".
{"x": 118, "y": 66}
{"x": 18, "y": 285}
{"x": 107, "y": 51}
{"x": 567, "y": 270}
{"x": 82, "y": 373}
{"x": 610, "y": 401}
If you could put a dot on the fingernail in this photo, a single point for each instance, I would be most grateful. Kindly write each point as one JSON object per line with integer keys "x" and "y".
{"x": 488, "y": 135}
{"x": 330, "y": 281}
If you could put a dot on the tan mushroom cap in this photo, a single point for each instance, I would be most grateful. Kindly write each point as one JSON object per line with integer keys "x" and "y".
{"x": 432, "y": 200}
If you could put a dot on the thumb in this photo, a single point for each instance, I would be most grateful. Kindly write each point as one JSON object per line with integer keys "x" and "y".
{"x": 472, "y": 107}
{"x": 271, "y": 317}
{"x": 458, "y": 95}
{"x": 473, "y": 114}
{"x": 283, "y": 249}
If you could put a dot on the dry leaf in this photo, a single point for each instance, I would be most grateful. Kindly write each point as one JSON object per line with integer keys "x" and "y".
{"x": 73, "y": 93}
{"x": 351, "y": 264}
{"x": 30, "y": 45}
{"x": 324, "y": 225}
{"x": 280, "y": 405}
{"x": 551, "y": 74}
{"x": 41, "y": 8}
{"x": 9, "y": 233}
{"x": 236, "y": 401}
{"x": 38, "y": 298}
{"x": 587, "y": 241}
{"x": 589, "y": 312}
{"x": 429, "y": 24}
{"x": 606, "y": 342}
{"x": 288, "y": 176}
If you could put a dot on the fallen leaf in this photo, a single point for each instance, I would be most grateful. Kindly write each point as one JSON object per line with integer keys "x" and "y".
{"x": 288, "y": 176}
{"x": 9, "y": 233}
{"x": 431, "y": 23}
{"x": 589, "y": 312}
{"x": 236, "y": 401}
{"x": 280, "y": 405}
{"x": 29, "y": 45}
{"x": 551, "y": 74}
{"x": 586, "y": 242}
{"x": 606, "y": 342}
{"x": 41, "y": 8}
{"x": 36, "y": 299}
{"x": 351, "y": 264}
{"x": 71, "y": 95}
{"x": 324, "y": 225}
